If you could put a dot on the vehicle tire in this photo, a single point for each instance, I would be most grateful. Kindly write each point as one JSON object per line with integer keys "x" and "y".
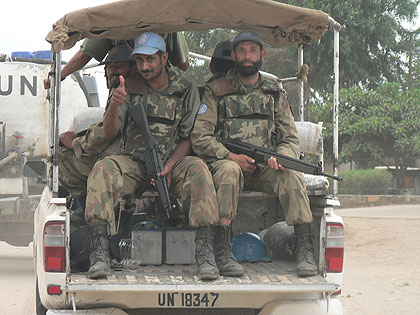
{"x": 40, "y": 309}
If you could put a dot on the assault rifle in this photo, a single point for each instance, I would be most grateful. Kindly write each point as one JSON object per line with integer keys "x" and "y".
{"x": 261, "y": 155}
{"x": 151, "y": 157}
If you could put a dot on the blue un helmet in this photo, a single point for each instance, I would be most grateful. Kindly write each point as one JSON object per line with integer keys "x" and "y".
{"x": 148, "y": 44}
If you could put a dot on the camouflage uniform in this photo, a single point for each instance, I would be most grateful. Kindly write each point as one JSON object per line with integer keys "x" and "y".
{"x": 75, "y": 165}
{"x": 171, "y": 116}
{"x": 258, "y": 115}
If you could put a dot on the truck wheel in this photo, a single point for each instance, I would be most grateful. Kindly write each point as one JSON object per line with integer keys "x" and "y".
{"x": 40, "y": 309}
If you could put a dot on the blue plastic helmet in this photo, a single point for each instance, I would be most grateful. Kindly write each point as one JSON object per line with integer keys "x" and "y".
{"x": 249, "y": 247}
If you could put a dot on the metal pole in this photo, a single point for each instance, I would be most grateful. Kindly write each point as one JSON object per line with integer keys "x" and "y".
{"x": 301, "y": 102}
{"x": 52, "y": 95}
{"x": 336, "y": 104}
{"x": 56, "y": 114}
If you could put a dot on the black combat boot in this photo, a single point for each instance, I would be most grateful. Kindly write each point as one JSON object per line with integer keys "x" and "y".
{"x": 99, "y": 257}
{"x": 204, "y": 254}
{"x": 305, "y": 259}
{"x": 226, "y": 262}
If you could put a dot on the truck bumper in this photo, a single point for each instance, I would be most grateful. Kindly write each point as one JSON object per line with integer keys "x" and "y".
{"x": 98, "y": 311}
{"x": 330, "y": 306}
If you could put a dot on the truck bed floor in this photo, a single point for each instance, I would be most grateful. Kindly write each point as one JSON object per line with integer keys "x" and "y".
{"x": 255, "y": 273}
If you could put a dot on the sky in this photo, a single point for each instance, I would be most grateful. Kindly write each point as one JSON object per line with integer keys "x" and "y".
{"x": 26, "y": 30}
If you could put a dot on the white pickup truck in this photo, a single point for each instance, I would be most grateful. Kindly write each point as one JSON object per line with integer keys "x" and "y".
{"x": 266, "y": 287}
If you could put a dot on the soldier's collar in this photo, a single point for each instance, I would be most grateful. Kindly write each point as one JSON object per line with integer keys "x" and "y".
{"x": 232, "y": 78}
{"x": 177, "y": 85}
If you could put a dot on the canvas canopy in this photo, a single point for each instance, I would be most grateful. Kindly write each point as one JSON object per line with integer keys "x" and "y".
{"x": 277, "y": 23}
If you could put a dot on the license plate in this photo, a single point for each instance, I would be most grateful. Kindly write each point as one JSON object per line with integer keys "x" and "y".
{"x": 187, "y": 299}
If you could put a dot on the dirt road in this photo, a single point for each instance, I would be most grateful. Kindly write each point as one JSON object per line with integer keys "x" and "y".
{"x": 17, "y": 280}
{"x": 381, "y": 266}
{"x": 381, "y": 270}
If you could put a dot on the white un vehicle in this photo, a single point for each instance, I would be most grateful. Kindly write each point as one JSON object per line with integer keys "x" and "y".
{"x": 169, "y": 284}
{"x": 24, "y": 122}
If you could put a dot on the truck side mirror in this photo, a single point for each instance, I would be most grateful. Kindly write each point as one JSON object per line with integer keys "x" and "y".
{"x": 35, "y": 169}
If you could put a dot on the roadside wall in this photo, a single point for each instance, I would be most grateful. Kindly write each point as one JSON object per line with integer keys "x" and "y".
{"x": 354, "y": 201}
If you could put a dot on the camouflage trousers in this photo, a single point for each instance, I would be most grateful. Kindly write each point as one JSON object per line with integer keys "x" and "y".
{"x": 74, "y": 171}
{"x": 117, "y": 176}
{"x": 289, "y": 187}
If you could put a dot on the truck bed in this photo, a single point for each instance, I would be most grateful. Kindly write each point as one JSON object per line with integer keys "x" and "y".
{"x": 276, "y": 272}
{"x": 177, "y": 286}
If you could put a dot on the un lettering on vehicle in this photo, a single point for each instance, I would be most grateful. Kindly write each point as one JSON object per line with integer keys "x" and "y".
{"x": 24, "y": 84}
{"x": 187, "y": 299}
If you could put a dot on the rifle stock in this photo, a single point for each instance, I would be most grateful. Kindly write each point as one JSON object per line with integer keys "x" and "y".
{"x": 151, "y": 157}
{"x": 261, "y": 155}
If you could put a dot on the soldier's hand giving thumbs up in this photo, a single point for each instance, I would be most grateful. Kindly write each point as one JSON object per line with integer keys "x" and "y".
{"x": 119, "y": 96}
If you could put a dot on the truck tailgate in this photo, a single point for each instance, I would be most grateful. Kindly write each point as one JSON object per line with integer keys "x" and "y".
{"x": 178, "y": 286}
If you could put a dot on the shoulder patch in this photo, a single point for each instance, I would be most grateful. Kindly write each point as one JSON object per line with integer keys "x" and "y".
{"x": 202, "y": 109}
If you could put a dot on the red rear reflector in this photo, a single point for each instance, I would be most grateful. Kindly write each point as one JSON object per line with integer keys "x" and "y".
{"x": 54, "y": 249}
{"x": 54, "y": 259}
{"x": 334, "y": 259}
{"x": 54, "y": 289}
{"x": 334, "y": 248}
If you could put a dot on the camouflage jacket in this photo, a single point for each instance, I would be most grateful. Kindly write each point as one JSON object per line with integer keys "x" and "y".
{"x": 259, "y": 115}
{"x": 93, "y": 141}
{"x": 170, "y": 113}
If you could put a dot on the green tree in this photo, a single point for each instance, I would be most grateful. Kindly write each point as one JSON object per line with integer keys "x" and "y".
{"x": 371, "y": 42}
{"x": 204, "y": 43}
{"x": 379, "y": 126}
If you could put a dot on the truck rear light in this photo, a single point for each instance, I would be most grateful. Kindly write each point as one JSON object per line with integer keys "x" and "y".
{"x": 54, "y": 247}
{"x": 53, "y": 289}
{"x": 334, "y": 249}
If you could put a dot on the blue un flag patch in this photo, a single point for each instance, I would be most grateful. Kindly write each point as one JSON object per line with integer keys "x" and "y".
{"x": 203, "y": 108}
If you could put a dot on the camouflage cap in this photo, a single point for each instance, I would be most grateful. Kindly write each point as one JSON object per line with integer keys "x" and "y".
{"x": 223, "y": 50}
{"x": 118, "y": 53}
{"x": 245, "y": 36}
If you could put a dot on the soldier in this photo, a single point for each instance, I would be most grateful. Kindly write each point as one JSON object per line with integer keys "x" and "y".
{"x": 221, "y": 60}
{"x": 247, "y": 106}
{"x": 171, "y": 104}
{"x": 98, "y": 48}
{"x": 79, "y": 155}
